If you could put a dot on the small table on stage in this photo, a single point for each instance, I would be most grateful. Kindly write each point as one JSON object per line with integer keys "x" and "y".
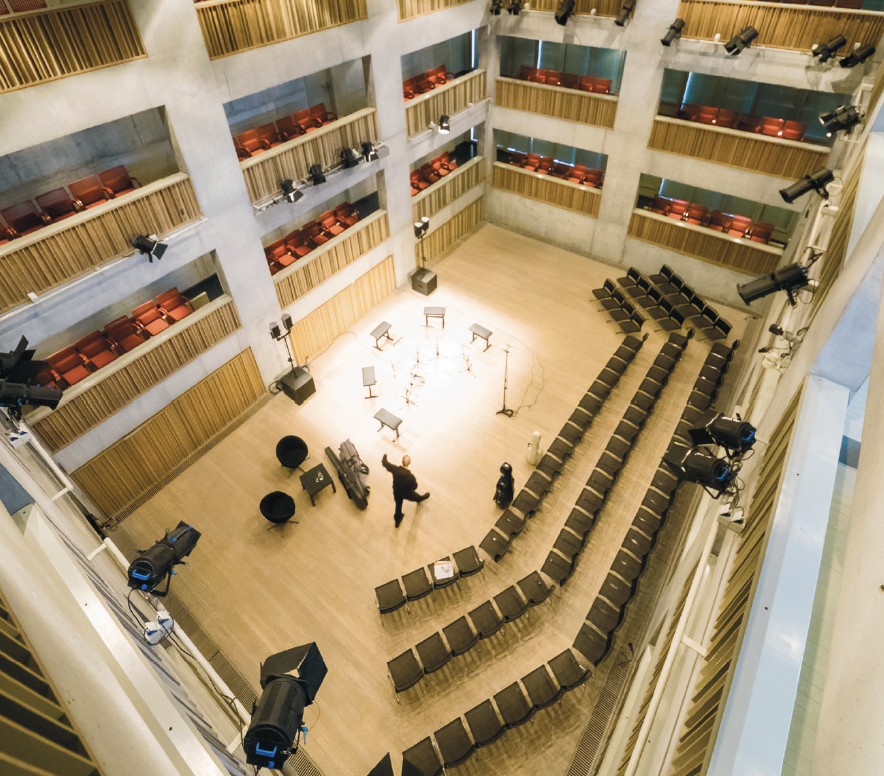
{"x": 482, "y": 333}
{"x": 315, "y": 480}
{"x": 388, "y": 419}
{"x": 434, "y": 312}
{"x": 381, "y": 330}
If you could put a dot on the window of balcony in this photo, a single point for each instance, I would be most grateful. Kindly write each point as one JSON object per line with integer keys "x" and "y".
{"x": 562, "y": 64}
{"x": 584, "y": 167}
{"x": 769, "y": 109}
{"x": 431, "y": 67}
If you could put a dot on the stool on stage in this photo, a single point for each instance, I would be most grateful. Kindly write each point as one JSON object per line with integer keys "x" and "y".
{"x": 277, "y": 507}
{"x": 368, "y": 380}
{"x": 434, "y": 312}
{"x": 388, "y": 419}
{"x": 482, "y": 333}
{"x": 381, "y": 330}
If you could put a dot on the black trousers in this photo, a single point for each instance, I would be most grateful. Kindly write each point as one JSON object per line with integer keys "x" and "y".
{"x": 405, "y": 497}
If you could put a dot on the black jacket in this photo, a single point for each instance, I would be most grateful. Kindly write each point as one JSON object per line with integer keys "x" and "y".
{"x": 403, "y": 480}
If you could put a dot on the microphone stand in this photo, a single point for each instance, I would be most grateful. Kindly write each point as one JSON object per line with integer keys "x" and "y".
{"x": 504, "y": 411}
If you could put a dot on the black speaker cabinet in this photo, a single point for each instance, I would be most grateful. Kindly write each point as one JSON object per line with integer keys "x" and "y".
{"x": 298, "y": 385}
{"x": 424, "y": 281}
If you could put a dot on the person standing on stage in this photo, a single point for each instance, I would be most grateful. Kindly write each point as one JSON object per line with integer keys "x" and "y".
{"x": 404, "y": 486}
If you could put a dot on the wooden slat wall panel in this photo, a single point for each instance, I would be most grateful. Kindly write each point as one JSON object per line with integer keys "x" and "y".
{"x": 132, "y": 465}
{"x": 701, "y": 721}
{"x": 598, "y": 110}
{"x": 293, "y": 158}
{"x": 445, "y": 100}
{"x": 74, "y": 418}
{"x": 454, "y": 185}
{"x": 46, "y": 45}
{"x": 411, "y": 9}
{"x": 440, "y": 240}
{"x": 302, "y": 277}
{"x": 727, "y": 253}
{"x": 317, "y": 329}
{"x": 795, "y": 27}
{"x": 231, "y": 26}
{"x": 772, "y": 156}
{"x": 602, "y": 7}
{"x": 93, "y": 238}
{"x": 544, "y": 188}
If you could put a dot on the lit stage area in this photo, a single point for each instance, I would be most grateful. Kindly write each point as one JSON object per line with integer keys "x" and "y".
{"x": 258, "y": 589}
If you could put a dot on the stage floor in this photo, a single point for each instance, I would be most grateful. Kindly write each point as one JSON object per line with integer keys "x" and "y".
{"x": 258, "y": 589}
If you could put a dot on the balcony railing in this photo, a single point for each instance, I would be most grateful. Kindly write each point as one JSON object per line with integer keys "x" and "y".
{"x": 780, "y": 25}
{"x": 107, "y": 391}
{"x": 331, "y": 257}
{"x": 601, "y": 7}
{"x": 440, "y": 240}
{"x": 701, "y": 243}
{"x": 747, "y": 151}
{"x": 445, "y": 191}
{"x": 445, "y": 100}
{"x": 231, "y": 26}
{"x": 598, "y": 110}
{"x": 410, "y": 9}
{"x": 61, "y": 252}
{"x": 55, "y": 43}
{"x": 293, "y": 158}
{"x": 551, "y": 191}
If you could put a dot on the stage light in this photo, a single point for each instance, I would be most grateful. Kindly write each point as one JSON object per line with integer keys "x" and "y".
{"x": 816, "y": 182}
{"x": 151, "y": 247}
{"x": 154, "y": 565}
{"x": 368, "y": 152}
{"x": 496, "y": 7}
{"x": 844, "y": 118}
{"x": 734, "y": 434}
{"x": 290, "y": 193}
{"x": 825, "y": 51}
{"x": 707, "y": 470}
{"x": 421, "y": 227}
{"x": 673, "y": 32}
{"x": 514, "y": 7}
{"x": 859, "y": 56}
{"x": 278, "y": 717}
{"x": 625, "y": 10}
{"x": 444, "y": 126}
{"x": 789, "y": 279}
{"x": 566, "y": 10}
{"x": 741, "y": 41}
{"x": 316, "y": 174}
{"x": 14, "y": 396}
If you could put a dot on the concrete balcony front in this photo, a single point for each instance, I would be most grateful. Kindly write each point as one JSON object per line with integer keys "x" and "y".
{"x": 446, "y": 100}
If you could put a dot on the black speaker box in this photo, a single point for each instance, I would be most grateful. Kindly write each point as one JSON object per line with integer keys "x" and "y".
{"x": 424, "y": 281}
{"x": 298, "y": 385}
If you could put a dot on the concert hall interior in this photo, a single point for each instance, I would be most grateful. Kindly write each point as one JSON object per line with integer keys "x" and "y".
{"x": 244, "y": 272}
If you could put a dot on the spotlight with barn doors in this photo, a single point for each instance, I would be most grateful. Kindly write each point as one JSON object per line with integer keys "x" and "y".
{"x": 789, "y": 279}
{"x": 625, "y": 10}
{"x": 514, "y": 7}
{"x": 673, "y": 32}
{"x": 859, "y": 55}
{"x": 444, "y": 126}
{"x": 158, "y": 563}
{"x": 350, "y": 157}
{"x": 566, "y": 10}
{"x": 368, "y": 152}
{"x": 816, "y": 182}
{"x": 150, "y": 246}
{"x": 699, "y": 466}
{"x": 844, "y": 118}
{"x": 20, "y": 378}
{"x": 825, "y": 51}
{"x": 496, "y": 6}
{"x": 735, "y": 435}
{"x": 741, "y": 41}
{"x": 290, "y": 192}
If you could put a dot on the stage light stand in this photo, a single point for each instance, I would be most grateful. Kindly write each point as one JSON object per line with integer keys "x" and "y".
{"x": 506, "y": 363}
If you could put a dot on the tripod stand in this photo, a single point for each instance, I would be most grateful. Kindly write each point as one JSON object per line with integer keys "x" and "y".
{"x": 506, "y": 363}
{"x": 467, "y": 364}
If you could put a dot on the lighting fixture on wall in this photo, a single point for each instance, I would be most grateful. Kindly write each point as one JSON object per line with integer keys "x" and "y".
{"x": 673, "y": 32}
{"x": 496, "y": 6}
{"x": 290, "y": 192}
{"x": 421, "y": 227}
{"x": 816, "y": 182}
{"x": 514, "y": 7}
{"x": 860, "y": 54}
{"x": 150, "y": 246}
{"x": 566, "y": 10}
{"x": 316, "y": 174}
{"x": 156, "y": 564}
{"x": 733, "y": 434}
{"x": 844, "y": 118}
{"x": 625, "y": 10}
{"x": 18, "y": 376}
{"x": 697, "y": 465}
{"x": 444, "y": 126}
{"x": 741, "y": 41}
{"x": 368, "y": 152}
{"x": 825, "y": 51}
{"x": 350, "y": 157}
{"x": 789, "y": 279}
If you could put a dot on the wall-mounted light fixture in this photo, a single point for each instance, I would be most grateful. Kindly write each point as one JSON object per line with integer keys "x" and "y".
{"x": 741, "y": 41}
{"x": 816, "y": 182}
{"x": 316, "y": 174}
{"x": 290, "y": 192}
{"x": 150, "y": 246}
{"x": 844, "y": 118}
{"x": 625, "y": 11}
{"x": 859, "y": 55}
{"x": 673, "y": 32}
{"x": 825, "y": 51}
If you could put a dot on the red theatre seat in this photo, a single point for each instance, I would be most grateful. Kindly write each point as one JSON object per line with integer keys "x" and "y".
{"x": 118, "y": 180}
{"x": 68, "y": 365}
{"x": 739, "y": 226}
{"x": 124, "y": 333}
{"x": 347, "y": 214}
{"x": 96, "y": 349}
{"x": 57, "y": 205}
{"x": 174, "y": 305}
{"x": 148, "y": 317}
{"x": 24, "y": 218}
{"x": 89, "y": 192}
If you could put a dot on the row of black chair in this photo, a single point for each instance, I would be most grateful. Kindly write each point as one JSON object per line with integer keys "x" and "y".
{"x": 690, "y": 304}
{"x": 423, "y": 581}
{"x": 486, "y": 723}
{"x": 711, "y": 377}
{"x": 622, "y": 311}
{"x": 465, "y": 632}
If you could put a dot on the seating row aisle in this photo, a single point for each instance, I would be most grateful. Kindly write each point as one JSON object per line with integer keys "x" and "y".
{"x": 745, "y": 122}
{"x": 426, "y": 82}
{"x": 431, "y": 172}
{"x": 98, "y": 349}
{"x": 583, "y": 83}
{"x": 253, "y": 142}
{"x": 57, "y": 205}
{"x": 297, "y": 244}
{"x": 546, "y": 165}
{"x": 717, "y": 221}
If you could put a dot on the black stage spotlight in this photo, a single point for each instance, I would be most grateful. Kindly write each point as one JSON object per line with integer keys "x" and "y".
{"x": 566, "y": 9}
{"x": 707, "y": 470}
{"x": 152, "y": 248}
{"x": 14, "y": 396}
{"x": 290, "y": 192}
{"x": 733, "y": 434}
{"x": 789, "y": 279}
{"x": 816, "y": 182}
{"x": 625, "y": 10}
{"x": 278, "y": 717}
{"x": 844, "y": 118}
{"x": 496, "y": 7}
{"x": 152, "y": 566}
{"x": 316, "y": 174}
{"x": 444, "y": 126}
{"x": 421, "y": 227}
{"x": 825, "y": 51}
{"x": 368, "y": 152}
{"x": 858, "y": 57}
{"x": 673, "y": 32}
{"x": 741, "y": 41}
{"x": 349, "y": 157}
{"x": 514, "y": 7}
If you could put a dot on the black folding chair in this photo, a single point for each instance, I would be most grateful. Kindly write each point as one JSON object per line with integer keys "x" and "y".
{"x": 460, "y": 636}
{"x": 514, "y": 707}
{"x": 423, "y": 756}
{"x": 405, "y": 672}
{"x": 510, "y": 604}
{"x": 486, "y": 620}
{"x": 484, "y": 723}
{"x": 433, "y": 652}
{"x": 568, "y": 671}
{"x": 591, "y": 644}
{"x": 542, "y": 689}
{"x": 454, "y": 744}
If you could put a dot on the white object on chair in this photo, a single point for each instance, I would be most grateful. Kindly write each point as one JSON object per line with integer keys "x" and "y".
{"x": 534, "y": 452}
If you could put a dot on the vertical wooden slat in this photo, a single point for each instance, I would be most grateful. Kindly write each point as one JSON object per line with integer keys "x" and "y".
{"x": 411, "y": 9}
{"x": 446, "y": 100}
{"x": 446, "y": 190}
{"x": 441, "y": 239}
{"x": 543, "y": 188}
{"x": 597, "y": 110}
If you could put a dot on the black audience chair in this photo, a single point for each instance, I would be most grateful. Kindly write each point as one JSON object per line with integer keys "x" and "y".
{"x": 484, "y": 724}
{"x": 510, "y": 524}
{"x": 616, "y": 590}
{"x": 468, "y": 562}
{"x": 486, "y": 620}
{"x": 592, "y": 644}
{"x": 542, "y": 690}
{"x": 405, "y": 672}
{"x": 460, "y": 636}
{"x": 433, "y": 653}
{"x": 647, "y": 522}
{"x": 526, "y": 503}
{"x": 423, "y": 756}
{"x": 454, "y": 744}
{"x": 535, "y": 590}
{"x": 559, "y": 569}
{"x": 510, "y": 604}
{"x": 572, "y": 433}
{"x": 569, "y": 544}
{"x": 438, "y": 584}
{"x": 291, "y": 451}
{"x": 390, "y": 597}
{"x": 568, "y": 671}
{"x": 514, "y": 707}
{"x": 638, "y": 542}
{"x": 590, "y": 502}
{"x": 496, "y": 544}
{"x": 628, "y": 566}
{"x": 591, "y": 403}
{"x": 550, "y": 466}
{"x": 580, "y": 522}
{"x": 604, "y": 615}
{"x": 417, "y": 584}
